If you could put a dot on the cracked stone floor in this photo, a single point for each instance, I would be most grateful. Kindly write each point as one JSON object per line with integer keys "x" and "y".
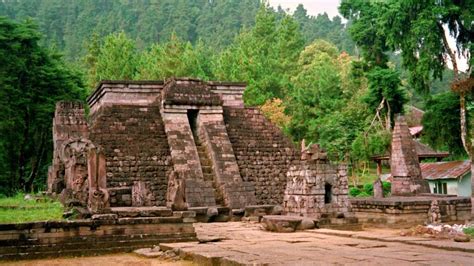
{"x": 246, "y": 243}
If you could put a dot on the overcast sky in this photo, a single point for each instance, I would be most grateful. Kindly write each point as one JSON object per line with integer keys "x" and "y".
{"x": 314, "y": 7}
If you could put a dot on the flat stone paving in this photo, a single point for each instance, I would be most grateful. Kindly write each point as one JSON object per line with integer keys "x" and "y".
{"x": 246, "y": 243}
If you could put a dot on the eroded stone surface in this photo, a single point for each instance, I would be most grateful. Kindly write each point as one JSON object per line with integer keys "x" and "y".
{"x": 246, "y": 243}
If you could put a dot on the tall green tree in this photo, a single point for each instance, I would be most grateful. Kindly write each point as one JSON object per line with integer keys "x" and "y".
{"x": 117, "y": 58}
{"x": 326, "y": 104}
{"x": 441, "y": 121}
{"x": 32, "y": 80}
{"x": 264, "y": 56}
{"x": 384, "y": 82}
{"x": 174, "y": 58}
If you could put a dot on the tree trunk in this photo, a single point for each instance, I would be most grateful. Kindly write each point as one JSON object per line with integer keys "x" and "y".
{"x": 36, "y": 163}
{"x": 466, "y": 141}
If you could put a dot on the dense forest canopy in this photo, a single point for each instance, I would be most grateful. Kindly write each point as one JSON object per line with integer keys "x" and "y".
{"x": 68, "y": 25}
{"x": 303, "y": 71}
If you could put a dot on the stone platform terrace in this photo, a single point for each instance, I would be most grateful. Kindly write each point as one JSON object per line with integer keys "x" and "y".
{"x": 403, "y": 212}
{"x": 247, "y": 244}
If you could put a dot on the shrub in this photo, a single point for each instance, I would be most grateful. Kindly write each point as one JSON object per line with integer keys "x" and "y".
{"x": 354, "y": 191}
{"x": 469, "y": 231}
{"x": 387, "y": 188}
{"x": 364, "y": 194}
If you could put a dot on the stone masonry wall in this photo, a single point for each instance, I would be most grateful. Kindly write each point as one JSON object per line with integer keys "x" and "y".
{"x": 306, "y": 187}
{"x": 263, "y": 153}
{"x": 136, "y": 149}
{"x": 90, "y": 237}
{"x": 409, "y": 211}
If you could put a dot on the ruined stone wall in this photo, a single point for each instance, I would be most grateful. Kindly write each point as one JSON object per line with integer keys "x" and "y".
{"x": 82, "y": 237}
{"x": 404, "y": 212}
{"x": 137, "y": 153}
{"x": 263, "y": 153}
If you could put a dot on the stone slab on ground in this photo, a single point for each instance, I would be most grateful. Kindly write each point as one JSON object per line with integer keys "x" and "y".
{"x": 247, "y": 243}
{"x": 281, "y": 223}
{"x": 394, "y": 236}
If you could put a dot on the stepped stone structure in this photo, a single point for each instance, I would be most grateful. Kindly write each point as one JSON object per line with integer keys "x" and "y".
{"x": 181, "y": 144}
{"x": 404, "y": 164}
{"x": 317, "y": 188}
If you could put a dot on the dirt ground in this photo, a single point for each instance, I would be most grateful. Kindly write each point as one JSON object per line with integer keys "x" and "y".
{"x": 128, "y": 259}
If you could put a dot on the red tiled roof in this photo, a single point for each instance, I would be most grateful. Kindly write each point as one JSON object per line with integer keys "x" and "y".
{"x": 445, "y": 170}
{"x": 423, "y": 151}
{"x": 415, "y": 130}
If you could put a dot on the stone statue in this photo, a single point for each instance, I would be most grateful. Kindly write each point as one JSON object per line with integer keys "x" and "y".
{"x": 142, "y": 194}
{"x": 73, "y": 156}
{"x": 378, "y": 189}
{"x": 434, "y": 215}
{"x": 98, "y": 201}
{"x": 175, "y": 196}
{"x": 313, "y": 152}
{"x": 84, "y": 175}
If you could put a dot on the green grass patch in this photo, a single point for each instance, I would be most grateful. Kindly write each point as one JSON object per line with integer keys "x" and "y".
{"x": 18, "y": 210}
{"x": 469, "y": 231}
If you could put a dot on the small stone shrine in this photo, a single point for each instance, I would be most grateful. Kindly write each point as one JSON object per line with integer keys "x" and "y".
{"x": 316, "y": 187}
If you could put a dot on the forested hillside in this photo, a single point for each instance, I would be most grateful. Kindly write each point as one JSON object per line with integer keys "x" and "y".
{"x": 68, "y": 25}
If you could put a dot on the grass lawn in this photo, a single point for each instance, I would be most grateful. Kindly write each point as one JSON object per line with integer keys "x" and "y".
{"x": 360, "y": 177}
{"x": 469, "y": 231}
{"x": 17, "y": 210}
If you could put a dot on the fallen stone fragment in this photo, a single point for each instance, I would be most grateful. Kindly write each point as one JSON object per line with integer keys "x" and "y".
{"x": 462, "y": 238}
{"x": 107, "y": 216}
{"x": 283, "y": 224}
{"x": 203, "y": 240}
{"x": 154, "y": 252}
{"x": 306, "y": 223}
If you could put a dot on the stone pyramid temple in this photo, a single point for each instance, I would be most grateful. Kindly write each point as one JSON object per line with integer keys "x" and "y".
{"x": 182, "y": 143}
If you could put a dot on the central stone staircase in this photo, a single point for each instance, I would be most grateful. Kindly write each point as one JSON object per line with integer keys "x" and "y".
{"x": 207, "y": 170}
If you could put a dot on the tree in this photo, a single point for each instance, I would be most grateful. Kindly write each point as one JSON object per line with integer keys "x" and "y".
{"x": 32, "y": 80}
{"x": 117, "y": 58}
{"x": 174, "y": 58}
{"x": 384, "y": 95}
{"x": 326, "y": 103}
{"x": 441, "y": 123}
{"x": 264, "y": 56}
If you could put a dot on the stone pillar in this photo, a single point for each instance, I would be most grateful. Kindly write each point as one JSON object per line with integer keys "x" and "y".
{"x": 404, "y": 164}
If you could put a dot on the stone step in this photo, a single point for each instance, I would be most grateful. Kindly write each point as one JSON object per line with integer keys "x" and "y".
{"x": 208, "y": 177}
{"x": 206, "y": 169}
